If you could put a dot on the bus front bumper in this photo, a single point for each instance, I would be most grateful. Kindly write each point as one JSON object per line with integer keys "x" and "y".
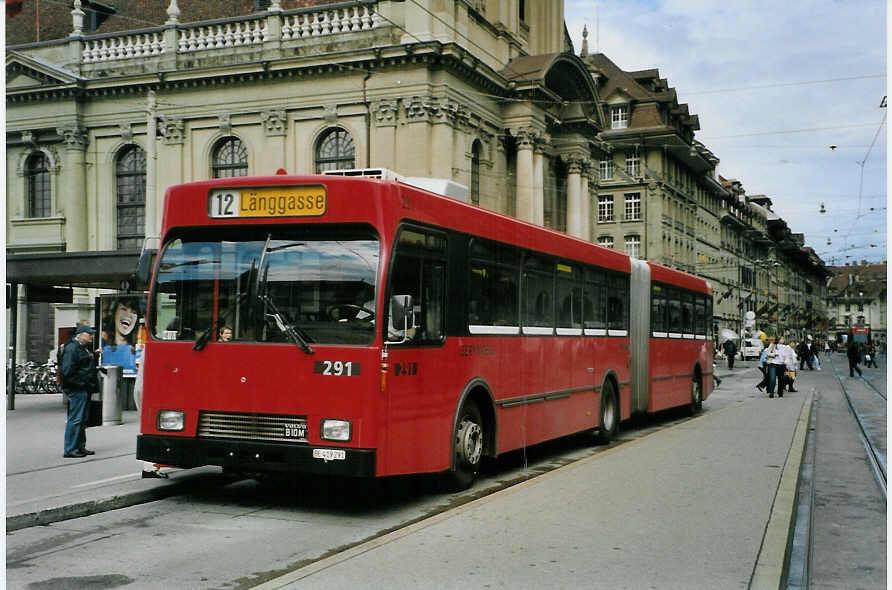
{"x": 249, "y": 456}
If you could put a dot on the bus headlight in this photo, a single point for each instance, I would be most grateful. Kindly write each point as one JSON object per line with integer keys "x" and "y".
{"x": 171, "y": 420}
{"x": 336, "y": 430}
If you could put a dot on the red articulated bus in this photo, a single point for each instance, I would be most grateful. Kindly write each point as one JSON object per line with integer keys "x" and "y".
{"x": 367, "y": 327}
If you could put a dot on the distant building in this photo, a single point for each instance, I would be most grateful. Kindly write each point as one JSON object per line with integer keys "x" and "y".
{"x": 856, "y": 296}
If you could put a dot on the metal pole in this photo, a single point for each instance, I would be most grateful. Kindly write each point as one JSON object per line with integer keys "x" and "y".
{"x": 13, "y": 302}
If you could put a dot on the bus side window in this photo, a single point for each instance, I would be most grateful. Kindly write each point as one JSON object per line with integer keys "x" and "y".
{"x": 617, "y": 303}
{"x": 538, "y": 296}
{"x": 419, "y": 270}
{"x": 700, "y": 315}
{"x": 569, "y": 296}
{"x": 687, "y": 311}
{"x": 709, "y": 324}
{"x": 675, "y": 321}
{"x": 595, "y": 308}
{"x": 658, "y": 309}
{"x": 492, "y": 286}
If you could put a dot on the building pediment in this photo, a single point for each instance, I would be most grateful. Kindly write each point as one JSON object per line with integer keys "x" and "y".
{"x": 563, "y": 76}
{"x": 24, "y": 72}
{"x": 618, "y": 96}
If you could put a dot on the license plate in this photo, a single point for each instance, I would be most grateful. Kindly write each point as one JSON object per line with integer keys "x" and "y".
{"x": 329, "y": 454}
{"x": 280, "y": 201}
{"x": 297, "y": 431}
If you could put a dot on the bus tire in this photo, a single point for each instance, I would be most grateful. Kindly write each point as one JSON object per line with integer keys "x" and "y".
{"x": 608, "y": 415}
{"x": 696, "y": 395}
{"x": 467, "y": 448}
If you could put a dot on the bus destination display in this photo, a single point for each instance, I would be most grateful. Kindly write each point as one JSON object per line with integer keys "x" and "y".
{"x": 280, "y": 201}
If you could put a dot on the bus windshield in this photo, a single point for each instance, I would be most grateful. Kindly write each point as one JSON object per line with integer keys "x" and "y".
{"x": 264, "y": 285}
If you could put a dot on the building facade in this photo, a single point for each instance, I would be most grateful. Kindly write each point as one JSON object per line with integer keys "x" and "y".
{"x": 110, "y": 103}
{"x": 857, "y": 296}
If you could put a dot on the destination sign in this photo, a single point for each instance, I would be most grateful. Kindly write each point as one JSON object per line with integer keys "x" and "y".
{"x": 279, "y": 201}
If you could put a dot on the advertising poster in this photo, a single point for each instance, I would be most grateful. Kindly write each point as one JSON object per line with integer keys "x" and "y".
{"x": 121, "y": 331}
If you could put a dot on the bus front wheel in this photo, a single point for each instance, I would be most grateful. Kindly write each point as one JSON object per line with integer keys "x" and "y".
{"x": 608, "y": 422}
{"x": 467, "y": 448}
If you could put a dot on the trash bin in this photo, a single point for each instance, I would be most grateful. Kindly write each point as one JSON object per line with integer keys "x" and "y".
{"x": 111, "y": 395}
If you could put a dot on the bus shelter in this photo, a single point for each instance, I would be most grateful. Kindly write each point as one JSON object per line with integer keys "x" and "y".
{"x": 53, "y": 277}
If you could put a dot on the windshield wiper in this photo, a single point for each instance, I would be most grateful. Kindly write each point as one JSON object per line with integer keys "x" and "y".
{"x": 202, "y": 340}
{"x": 286, "y": 326}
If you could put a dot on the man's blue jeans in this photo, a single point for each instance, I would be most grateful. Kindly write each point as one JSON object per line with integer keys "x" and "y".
{"x": 772, "y": 377}
{"x": 75, "y": 427}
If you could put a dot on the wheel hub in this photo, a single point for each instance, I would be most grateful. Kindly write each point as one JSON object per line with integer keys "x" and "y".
{"x": 470, "y": 442}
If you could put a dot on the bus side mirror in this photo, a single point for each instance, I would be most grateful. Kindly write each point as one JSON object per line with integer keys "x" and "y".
{"x": 402, "y": 317}
{"x": 147, "y": 259}
{"x": 144, "y": 267}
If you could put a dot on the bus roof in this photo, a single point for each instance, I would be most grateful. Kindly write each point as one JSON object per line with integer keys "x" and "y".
{"x": 391, "y": 202}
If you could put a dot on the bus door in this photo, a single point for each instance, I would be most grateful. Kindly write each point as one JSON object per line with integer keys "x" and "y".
{"x": 421, "y": 386}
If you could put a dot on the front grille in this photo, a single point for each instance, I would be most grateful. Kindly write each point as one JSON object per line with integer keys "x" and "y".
{"x": 262, "y": 427}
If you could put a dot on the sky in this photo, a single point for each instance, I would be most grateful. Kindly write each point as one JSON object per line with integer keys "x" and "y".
{"x": 775, "y": 85}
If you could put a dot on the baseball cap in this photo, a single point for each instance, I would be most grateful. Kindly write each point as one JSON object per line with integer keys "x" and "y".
{"x": 82, "y": 329}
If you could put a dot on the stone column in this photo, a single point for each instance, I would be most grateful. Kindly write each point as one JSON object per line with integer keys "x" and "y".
{"x": 154, "y": 203}
{"x": 73, "y": 187}
{"x": 542, "y": 143}
{"x": 574, "y": 196}
{"x": 526, "y": 195}
{"x": 586, "y": 211}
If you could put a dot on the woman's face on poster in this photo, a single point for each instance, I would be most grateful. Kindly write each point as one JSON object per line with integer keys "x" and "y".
{"x": 125, "y": 319}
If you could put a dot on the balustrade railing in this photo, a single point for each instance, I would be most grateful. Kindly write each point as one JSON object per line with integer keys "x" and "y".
{"x": 224, "y": 35}
{"x": 345, "y": 19}
{"x": 126, "y": 47}
{"x": 190, "y": 38}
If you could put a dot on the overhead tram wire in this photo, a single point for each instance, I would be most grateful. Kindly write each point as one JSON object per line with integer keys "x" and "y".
{"x": 861, "y": 175}
{"x": 786, "y": 84}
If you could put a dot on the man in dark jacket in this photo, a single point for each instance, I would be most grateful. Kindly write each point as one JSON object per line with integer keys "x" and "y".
{"x": 79, "y": 380}
{"x": 853, "y": 352}
{"x": 730, "y": 348}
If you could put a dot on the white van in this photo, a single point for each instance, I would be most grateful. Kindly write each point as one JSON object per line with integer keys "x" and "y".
{"x": 751, "y": 349}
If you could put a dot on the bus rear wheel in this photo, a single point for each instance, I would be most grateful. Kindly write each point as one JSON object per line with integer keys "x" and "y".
{"x": 696, "y": 396}
{"x": 467, "y": 448}
{"x": 608, "y": 415}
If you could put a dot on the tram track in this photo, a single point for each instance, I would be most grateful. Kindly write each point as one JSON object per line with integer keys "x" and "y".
{"x": 875, "y": 457}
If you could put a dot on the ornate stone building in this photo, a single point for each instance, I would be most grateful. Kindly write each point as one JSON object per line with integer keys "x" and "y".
{"x": 109, "y": 104}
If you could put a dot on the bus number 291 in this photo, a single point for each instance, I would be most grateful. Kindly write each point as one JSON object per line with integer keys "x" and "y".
{"x": 336, "y": 368}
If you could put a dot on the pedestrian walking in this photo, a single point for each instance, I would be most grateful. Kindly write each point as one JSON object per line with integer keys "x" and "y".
{"x": 791, "y": 361}
{"x": 871, "y": 356}
{"x": 730, "y": 348}
{"x": 79, "y": 380}
{"x": 853, "y": 352}
{"x": 776, "y": 358}
{"x": 764, "y": 368}
{"x": 806, "y": 352}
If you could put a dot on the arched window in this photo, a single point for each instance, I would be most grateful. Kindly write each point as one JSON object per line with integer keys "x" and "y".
{"x": 230, "y": 158}
{"x": 37, "y": 178}
{"x": 334, "y": 150}
{"x": 475, "y": 173}
{"x": 130, "y": 181}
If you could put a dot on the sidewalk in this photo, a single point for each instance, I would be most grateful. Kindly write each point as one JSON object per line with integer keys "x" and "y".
{"x": 43, "y": 487}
